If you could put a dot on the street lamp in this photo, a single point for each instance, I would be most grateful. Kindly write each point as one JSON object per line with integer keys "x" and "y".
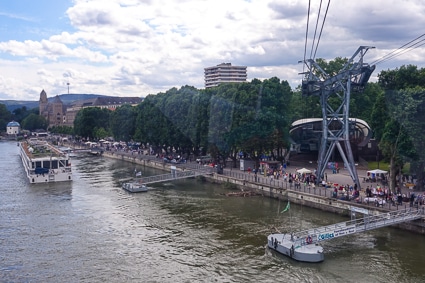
{"x": 68, "y": 87}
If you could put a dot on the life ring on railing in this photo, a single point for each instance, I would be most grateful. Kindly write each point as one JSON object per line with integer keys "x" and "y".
{"x": 309, "y": 240}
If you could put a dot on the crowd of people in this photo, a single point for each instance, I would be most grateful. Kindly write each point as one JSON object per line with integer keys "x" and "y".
{"x": 378, "y": 195}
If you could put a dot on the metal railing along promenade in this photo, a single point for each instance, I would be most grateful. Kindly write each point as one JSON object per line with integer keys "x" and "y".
{"x": 177, "y": 174}
{"x": 318, "y": 190}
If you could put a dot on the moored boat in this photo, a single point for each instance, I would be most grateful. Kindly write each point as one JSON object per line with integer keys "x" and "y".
{"x": 134, "y": 187}
{"x": 300, "y": 249}
{"x": 44, "y": 163}
{"x": 302, "y": 246}
{"x": 96, "y": 152}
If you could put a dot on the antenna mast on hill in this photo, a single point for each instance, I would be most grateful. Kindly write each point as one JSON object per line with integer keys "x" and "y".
{"x": 335, "y": 131}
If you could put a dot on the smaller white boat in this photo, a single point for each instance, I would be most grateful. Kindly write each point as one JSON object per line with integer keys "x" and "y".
{"x": 302, "y": 246}
{"x": 300, "y": 249}
{"x": 134, "y": 187}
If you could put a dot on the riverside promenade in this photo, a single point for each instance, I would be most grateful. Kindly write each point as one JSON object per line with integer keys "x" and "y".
{"x": 247, "y": 179}
{"x": 251, "y": 180}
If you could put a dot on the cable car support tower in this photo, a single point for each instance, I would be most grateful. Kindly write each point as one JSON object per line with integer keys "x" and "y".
{"x": 353, "y": 77}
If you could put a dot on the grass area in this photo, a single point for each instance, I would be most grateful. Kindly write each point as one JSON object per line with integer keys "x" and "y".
{"x": 374, "y": 165}
{"x": 386, "y": 166}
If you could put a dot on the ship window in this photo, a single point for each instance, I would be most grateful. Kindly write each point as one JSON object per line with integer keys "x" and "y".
{"x": 38, "y": 164}
{"x": 55, "y": 164}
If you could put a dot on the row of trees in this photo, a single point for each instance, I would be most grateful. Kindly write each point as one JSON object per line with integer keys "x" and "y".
{"x": 398, "y": 120}
{"x": 250, "y": 117}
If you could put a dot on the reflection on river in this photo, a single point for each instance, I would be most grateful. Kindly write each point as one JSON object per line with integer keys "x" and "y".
{"x": 90, "y": 230}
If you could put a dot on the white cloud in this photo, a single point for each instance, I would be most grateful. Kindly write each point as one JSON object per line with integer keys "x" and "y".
{"x": 135, "y": 48}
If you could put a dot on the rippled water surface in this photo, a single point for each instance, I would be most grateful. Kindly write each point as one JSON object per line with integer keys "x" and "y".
{"x": 90, "y": 230}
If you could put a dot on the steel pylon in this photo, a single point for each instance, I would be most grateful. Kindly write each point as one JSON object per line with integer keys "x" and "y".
{"x": 336, "y": 125}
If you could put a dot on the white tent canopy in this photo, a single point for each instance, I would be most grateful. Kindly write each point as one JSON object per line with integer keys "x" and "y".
{"x": 304, "y": 171}
{"x": 377, "y": 171}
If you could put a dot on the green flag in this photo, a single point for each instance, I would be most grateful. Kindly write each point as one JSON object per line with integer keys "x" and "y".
{"x": 286, "y": 208}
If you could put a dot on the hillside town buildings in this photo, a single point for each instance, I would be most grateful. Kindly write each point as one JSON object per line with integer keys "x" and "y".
{"x": 59, "y": 114}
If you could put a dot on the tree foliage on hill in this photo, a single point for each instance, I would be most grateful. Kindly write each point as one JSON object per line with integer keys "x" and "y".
{"x": 19, "y": 114}
{"x": 5, "y": 117}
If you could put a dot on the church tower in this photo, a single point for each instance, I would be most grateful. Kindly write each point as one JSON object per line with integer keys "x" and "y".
{"x": 57, "y": 111}
{"x": 43, "y": 103}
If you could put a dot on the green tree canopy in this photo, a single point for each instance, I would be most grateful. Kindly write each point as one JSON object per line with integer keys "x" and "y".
{"x": 5, "y": 117}
{"x": 34, "y": 122}
{"x": 402, "y": 78}
{"x": 89, "y": 119}
{"x": 122, "y": 122}
{"x": 19, "y": 114}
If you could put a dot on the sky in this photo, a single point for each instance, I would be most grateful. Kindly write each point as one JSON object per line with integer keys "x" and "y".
{"x": 141, "y": 47}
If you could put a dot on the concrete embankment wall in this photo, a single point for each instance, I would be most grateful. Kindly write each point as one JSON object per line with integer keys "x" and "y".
{"x": 311, "y": 200}
{"x": 158, "y": 164}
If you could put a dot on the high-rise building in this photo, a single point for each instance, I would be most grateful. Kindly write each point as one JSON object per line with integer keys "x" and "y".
{"x": 224, "y": 73}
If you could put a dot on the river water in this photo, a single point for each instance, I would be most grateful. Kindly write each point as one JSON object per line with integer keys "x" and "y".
{"x": 90, "y": 230}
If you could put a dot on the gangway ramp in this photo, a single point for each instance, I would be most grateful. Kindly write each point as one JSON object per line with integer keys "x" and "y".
{"x": 305, "y": 245}
{"x": 176, "y": 174}
{"x": 368, "y": 222}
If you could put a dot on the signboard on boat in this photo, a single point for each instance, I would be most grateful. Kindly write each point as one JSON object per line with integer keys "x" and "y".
{"x": 336, "y": 233}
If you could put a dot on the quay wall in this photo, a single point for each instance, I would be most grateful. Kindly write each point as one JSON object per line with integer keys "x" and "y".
{"x": 323, "y": 203}
{"x": 158, "y": 164}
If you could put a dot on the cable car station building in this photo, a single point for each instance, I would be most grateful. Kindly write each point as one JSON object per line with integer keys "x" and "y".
{"x": 305, "y": 135}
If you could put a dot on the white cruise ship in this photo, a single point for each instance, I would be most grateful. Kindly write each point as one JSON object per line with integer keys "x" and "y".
{"x": 44, "y": 163}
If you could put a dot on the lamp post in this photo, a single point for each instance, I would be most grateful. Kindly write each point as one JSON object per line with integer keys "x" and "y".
{"x": 68, "y": 87}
